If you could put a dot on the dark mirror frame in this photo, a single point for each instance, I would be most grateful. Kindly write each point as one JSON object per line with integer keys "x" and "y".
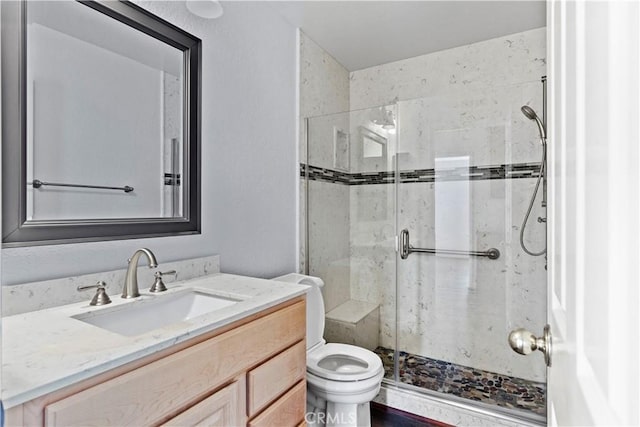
{"x": 16, "y": 230}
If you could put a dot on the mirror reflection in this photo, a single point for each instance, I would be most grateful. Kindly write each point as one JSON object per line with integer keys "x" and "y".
{"x": 101, "y": 123}
{"x": 104, "y": 117}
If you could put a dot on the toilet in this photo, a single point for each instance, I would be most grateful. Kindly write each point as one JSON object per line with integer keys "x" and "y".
{"x": 341, "y": 379}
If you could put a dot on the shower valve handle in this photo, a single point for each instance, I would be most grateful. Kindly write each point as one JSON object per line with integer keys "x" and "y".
{"x": 524, "y": 342}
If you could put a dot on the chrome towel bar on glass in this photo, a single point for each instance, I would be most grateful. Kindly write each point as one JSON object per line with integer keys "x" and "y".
{"x": 406, "y": 249}
{"x": 37, "y": 184}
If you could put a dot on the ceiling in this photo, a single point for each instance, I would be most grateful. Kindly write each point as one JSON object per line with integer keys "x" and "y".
{"x": 362, "y": 34}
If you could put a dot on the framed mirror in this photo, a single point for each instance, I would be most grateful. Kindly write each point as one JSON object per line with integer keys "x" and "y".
{"x": 101, "y": 123}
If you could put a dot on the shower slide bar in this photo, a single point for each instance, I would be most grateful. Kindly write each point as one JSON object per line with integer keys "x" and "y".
{"x": 37, "y": 184}
{"x": 406, "y": 249}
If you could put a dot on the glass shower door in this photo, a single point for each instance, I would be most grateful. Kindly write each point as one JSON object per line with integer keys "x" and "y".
{"x": 467, "y": 163}
{"x": 350, "y": 191}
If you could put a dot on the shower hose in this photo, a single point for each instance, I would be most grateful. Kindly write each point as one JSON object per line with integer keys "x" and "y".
{"x": 533, "y": 198}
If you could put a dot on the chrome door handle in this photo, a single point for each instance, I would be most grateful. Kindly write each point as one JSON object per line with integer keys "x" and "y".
{"x": 405, "y": 248}
{"x": 524, "y": 342}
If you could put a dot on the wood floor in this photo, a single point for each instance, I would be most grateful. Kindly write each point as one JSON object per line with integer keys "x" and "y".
{"x": 384, "y": 416}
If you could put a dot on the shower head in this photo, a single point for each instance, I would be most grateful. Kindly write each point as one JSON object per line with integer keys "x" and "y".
{"x": 530, "y": 114}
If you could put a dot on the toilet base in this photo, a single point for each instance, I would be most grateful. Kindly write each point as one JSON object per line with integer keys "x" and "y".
{"x": 321, "y": 413}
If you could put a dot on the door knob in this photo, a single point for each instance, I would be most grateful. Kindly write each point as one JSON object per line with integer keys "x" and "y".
{"x": 524, "y": 342}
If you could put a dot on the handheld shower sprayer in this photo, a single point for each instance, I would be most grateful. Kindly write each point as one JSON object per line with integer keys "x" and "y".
{"x": 531, "y": 115}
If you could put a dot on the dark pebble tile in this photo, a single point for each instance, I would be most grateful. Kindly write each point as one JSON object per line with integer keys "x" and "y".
{"x": 466, "y": 382}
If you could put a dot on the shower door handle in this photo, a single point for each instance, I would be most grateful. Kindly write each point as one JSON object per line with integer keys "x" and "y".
{"x": 405, "y": 248}
{"x": 524, "y": 342}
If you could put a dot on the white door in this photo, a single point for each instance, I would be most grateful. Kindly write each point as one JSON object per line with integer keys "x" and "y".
{"x": 594, "y": 215}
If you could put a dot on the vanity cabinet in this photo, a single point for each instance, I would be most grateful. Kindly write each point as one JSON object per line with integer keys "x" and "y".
{"x": 222, "y": 408}
{"x": 250, "y": 373}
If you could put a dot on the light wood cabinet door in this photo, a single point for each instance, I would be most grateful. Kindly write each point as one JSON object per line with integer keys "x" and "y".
{"x": 224, "y": 408}
{"x": 274, "y": 377}
{"x": 288, "y": 411}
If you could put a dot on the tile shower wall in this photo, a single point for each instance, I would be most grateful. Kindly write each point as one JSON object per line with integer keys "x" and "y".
{"x": 462, "y": 106}
{"x": 493, "y": 63}
{"x": 324, "y": 89}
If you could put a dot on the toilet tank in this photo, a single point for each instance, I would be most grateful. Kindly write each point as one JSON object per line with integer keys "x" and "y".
{"x": 315, "y": 305}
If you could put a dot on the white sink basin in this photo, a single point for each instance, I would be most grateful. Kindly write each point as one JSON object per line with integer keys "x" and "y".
{"x": 145, "y": 315}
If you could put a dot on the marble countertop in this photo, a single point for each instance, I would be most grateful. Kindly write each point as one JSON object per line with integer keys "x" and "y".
{"x": 46, "y": 350}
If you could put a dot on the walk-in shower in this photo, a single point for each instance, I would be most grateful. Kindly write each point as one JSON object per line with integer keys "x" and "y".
{"x": 413, "y": 219}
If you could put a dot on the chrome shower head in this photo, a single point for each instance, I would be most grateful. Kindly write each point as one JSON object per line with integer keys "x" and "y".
{"x": 528, "y": 112}
{"x": 531, "y": 115}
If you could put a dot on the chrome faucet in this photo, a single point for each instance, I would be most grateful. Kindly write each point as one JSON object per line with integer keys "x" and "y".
{"x": 130, "y": 289}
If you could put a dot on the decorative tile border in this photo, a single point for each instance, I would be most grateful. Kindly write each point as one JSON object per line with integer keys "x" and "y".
{"x": 471, "y": 173}
{"x": 466, "y": 382}
{"x": 172, "y": 179}
{"x": 326, "y": 175}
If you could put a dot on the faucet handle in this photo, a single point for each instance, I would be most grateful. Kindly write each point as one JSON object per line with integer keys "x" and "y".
{"x": 158, "y": 284}
{"x": 170, "y": 272}
{"x": 101, "y": 297}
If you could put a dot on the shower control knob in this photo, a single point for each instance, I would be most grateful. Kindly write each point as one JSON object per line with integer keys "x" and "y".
{"x": 524, "y": 342}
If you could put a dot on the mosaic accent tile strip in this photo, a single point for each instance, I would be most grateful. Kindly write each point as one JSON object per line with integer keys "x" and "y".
{"x": 172, "y": 179}
{"x": 326, "y": 175}
{"x": 471, "y": 173}
{"x": 466, "y": 382}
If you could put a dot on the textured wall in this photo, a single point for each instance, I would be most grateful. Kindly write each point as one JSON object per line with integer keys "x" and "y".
{"x": 324, "y": 94}
{"x": 497, "y": 62}
{"x": 324, "y": 83}
{"x": 249, "y": 167}
{"x": 36, "y": 296}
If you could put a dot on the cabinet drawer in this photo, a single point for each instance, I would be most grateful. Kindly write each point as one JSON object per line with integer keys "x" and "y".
{"x": 286, "y": 411}
{"x": 153, "y": 393}
{"x": 271, "y": 379}
{"x": 223, "y": 408}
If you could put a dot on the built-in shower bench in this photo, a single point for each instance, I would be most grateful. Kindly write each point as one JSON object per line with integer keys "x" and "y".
{"x": 354, "y": 322}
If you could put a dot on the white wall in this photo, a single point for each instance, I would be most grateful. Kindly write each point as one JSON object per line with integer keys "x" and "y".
{"x": 249, "y": 167}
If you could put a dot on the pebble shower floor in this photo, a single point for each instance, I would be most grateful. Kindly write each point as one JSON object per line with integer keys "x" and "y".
{"x": 466, "y": 382}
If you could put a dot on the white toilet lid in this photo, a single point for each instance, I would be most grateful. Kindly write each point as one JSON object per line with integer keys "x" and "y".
{"x": 343, "y": 362}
